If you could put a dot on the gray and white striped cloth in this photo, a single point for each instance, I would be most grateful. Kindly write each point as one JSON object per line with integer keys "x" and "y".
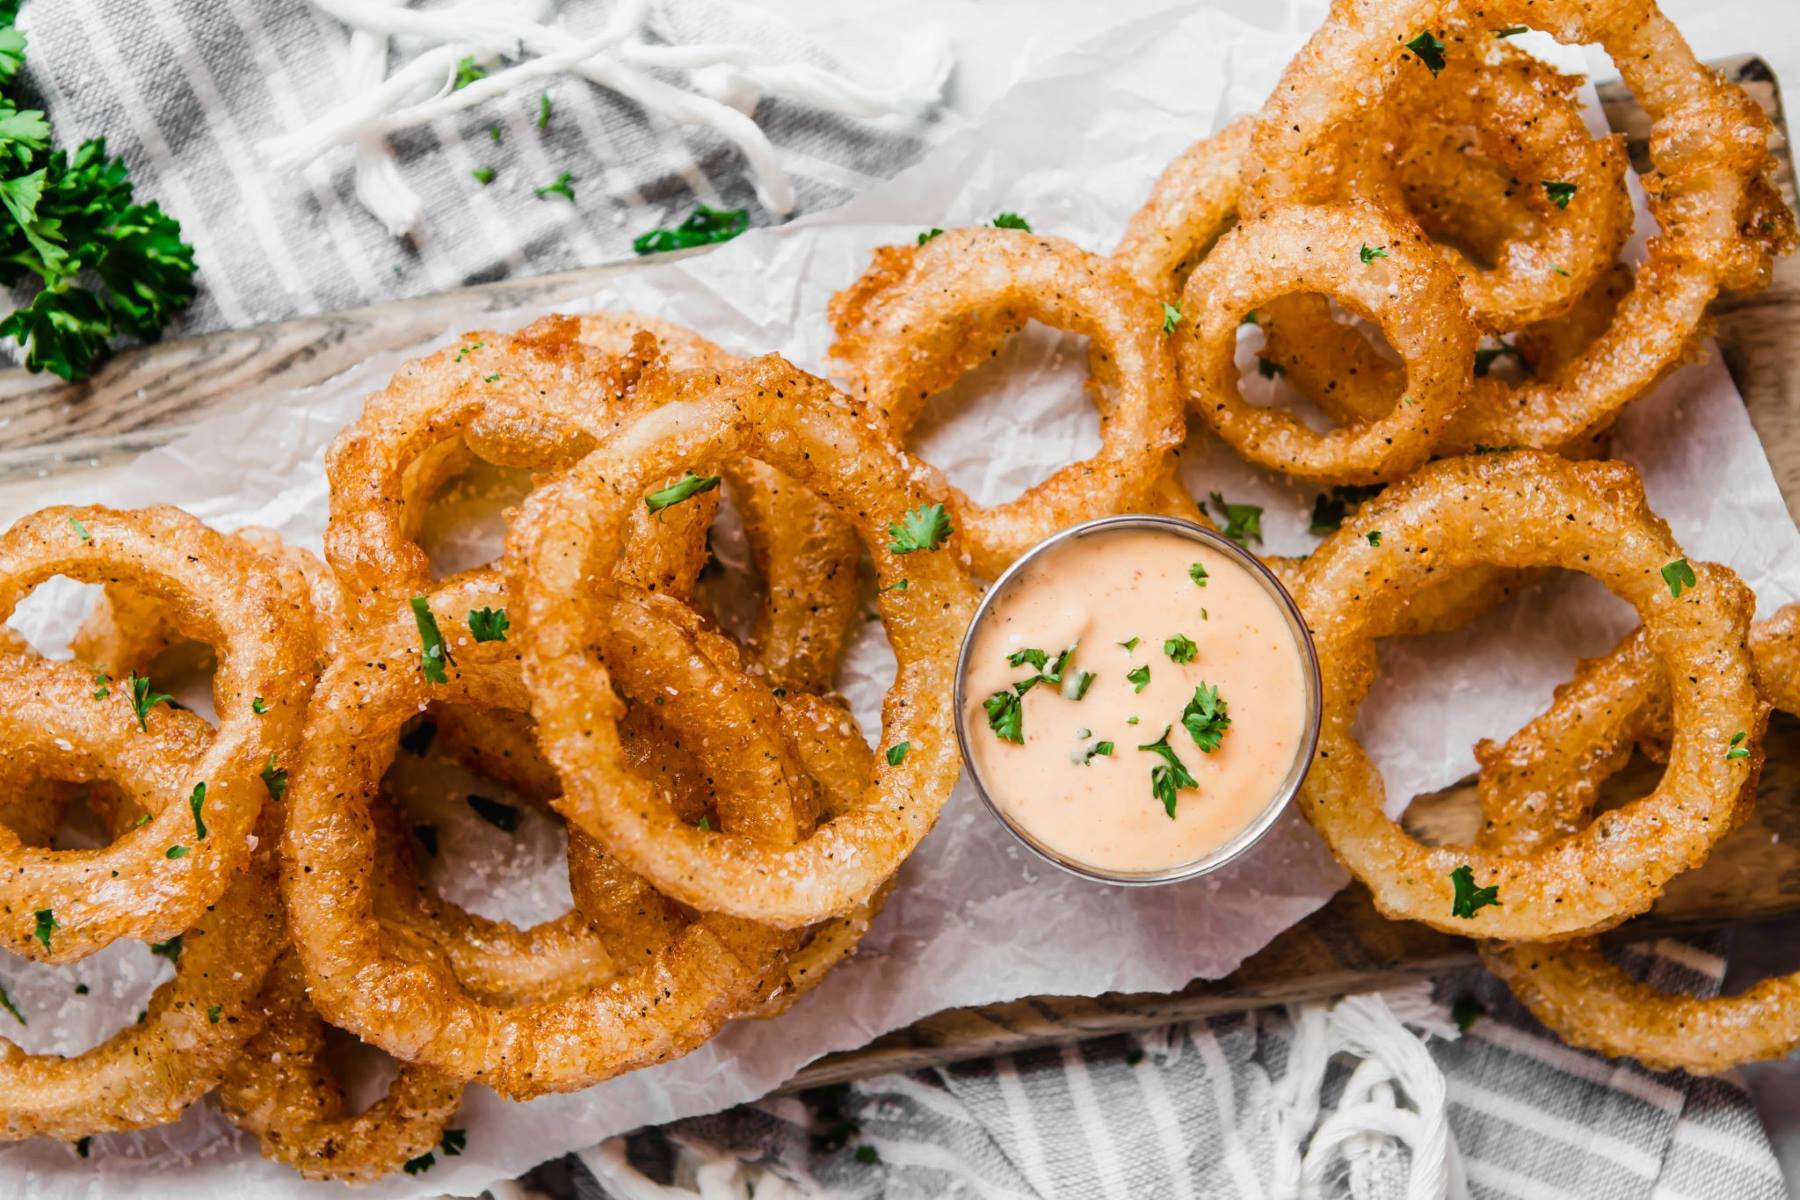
{"x": 1188, "y": 1113}
{"x": 184, "y": 88}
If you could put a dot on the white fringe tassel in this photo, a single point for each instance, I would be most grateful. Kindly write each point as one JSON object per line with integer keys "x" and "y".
{"x": 726, "y": 82}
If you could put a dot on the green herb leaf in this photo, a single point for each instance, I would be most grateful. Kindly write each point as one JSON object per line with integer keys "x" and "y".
{"x": 899, "y": 586}
{"x": 1243, "y": 522}
{"x": 143, "y": 699}
{"x": 46, "y": 923}
{"x": 1197, "y": 573}
{"x": 561, "y": 188}
{"x": 1007, "y": 220}
{"x": 929, "y": 234}
{"x": 259, "y": 706}
{"x": 454, "y": 1141}
{"x": 1560, "y": 193}
{"x": 1098, "y": 749}
{"x": 1268, "y": 368}
{"x": 1466, "y": 1011}
{"x": 543, "y": 110}
{"x": 488, "y": 624}
{"x": 500, "y": 816}
{"x": 275, "y": 779}
{"x": 467, "y": 72}
{"x": 703, "y": 226}
{"x": 434, "y": 654}
{"x": 1076, "y": 685}
{"x": 419, "y": 1165}
{"x": 1429, "y": 50}
{"x": 483, "y": 176}
{"x": 1131, "y": 644}
{"x": 1737, "y": 751}
{"x": 170, "y": 949}
{"x": 1205, "y": 719}
{"x": 175, "y": 852}
{"x": 685, "y": 488}
{"x": 1369, "y": 253}
{"x": 212, "y": 1013}
{"x": 1486, "y": 356}
{"x": 896, "y": 754}
{"x": 1005, "y": 715}
{"x": 1374, "y": 536}
{"x": 1140, "y": 677}
{"x": 197, "y": 800}
{"x": 6, "y": 1002}
{"x": 102, "y": 679}
{"x": 80, "y": 530}
{"x": 1679, "y": 576}
{"x": 1330, "y": 508}
{"x": 468, "y": 350}
{"x": 1171, "y": 317}
{"x": 1171, "y": 776}
{"x": 923, "y": 528}
{"x": 1470, "y": 899}
{"x": 1180, "y": 648}
{"x": 1031, "y": 657}
{"x": 1512, "y": 31}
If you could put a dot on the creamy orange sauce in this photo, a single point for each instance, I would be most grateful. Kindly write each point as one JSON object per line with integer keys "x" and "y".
{"x": 1096, "y": 593}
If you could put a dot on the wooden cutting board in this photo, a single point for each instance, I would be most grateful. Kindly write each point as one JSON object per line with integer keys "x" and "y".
{"x": 146, "y": 397}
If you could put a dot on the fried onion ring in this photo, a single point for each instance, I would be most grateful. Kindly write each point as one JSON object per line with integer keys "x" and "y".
{"x": 218, "y": 592}
{"x": 1542, "y": 783}
{"x": 923, "y": 316}
{"x": 801, "y": 426}
{"x": 1530, "y": 509}
{"x": 1410, "y": 293}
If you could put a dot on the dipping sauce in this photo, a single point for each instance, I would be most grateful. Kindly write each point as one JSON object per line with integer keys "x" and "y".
{"x": 1135, "y": 699}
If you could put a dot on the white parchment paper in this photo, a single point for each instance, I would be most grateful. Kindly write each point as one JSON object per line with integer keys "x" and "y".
{"x": 976, "y": 919}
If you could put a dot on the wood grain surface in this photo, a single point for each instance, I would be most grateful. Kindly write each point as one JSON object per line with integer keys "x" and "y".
{"x": 144, "y": 397}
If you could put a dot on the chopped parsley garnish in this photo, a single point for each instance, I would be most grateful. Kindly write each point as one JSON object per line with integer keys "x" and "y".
{"x": 1097, "y": 750}
{"x": 170, "y": 949}
{"x": 1737, "y": 751}
{"x": 467, "y": 72}
{"x": 923, "y": 528}
{"x": 685, "y": 488}
{"x": 1374, "y": 536}
{"x": 1369, "y": 253}
{"x": 454, "y": 1141}
{"x": 703, "y": 227}
{"x": 1268, "y": 368}
{"x": 259, "y": 706}
{"x": 468, "y": 350}
{"x": 6, "y": 1002}
{"x": 434, "y": 654}
{"x": 1243, "y": 522}
{"x": 561, "y": 188}
{"x": 1131, "y": 720}
{"x": 81, "y": 531}
{"x": 427, "y": 837}
{"x": 1481, "y": 449}
{"x": 1009, "y": 220}
{"x": 101, "y": 690}
{"x": 143, "y": 699}
{"x": 483, "y": 175}
{"x": 212, "y": 1013}
{"x": 1180, "y": 648}
{"x": 81, "y": 989}
{"x": 197, "y": 800}
{"x": 1170, "y": 776}
{"x": 934, "y": 231}
{"x": 1076, "y": 684}
{"x": 1204, "y": 718}
{"x": 494, "y": 378}
{"x": 1140, "y": 677}
{"x": 1027, "y": 657}
{"x": 1330, "y": 508}
{"x": 1171, "y": 317}
{"x": 1250, "y": 318}
{"x": 275, "y": 779}
{"x": 1197, "y": 573}
{"x": 500, "y": 816}
{"x": 1466, "y": 1011}
{"x": 1429, "y": 50}
{"x": 175, "y": 852}
{"x": 494, "y": 134}
{"x": 703, "y": 825}
{"x": 46, "y": 923}
{"x": 1512, "y": 31}
{"x": 488, "y": 624}
{"x": 868, "y": 1155}
{"x": 1485, "y": 357}
{"x": 543, "y": 109}
{"x": 1005, "y": 715}
{"x": 1470, "y": 899}
{"x": 1679, "y": 576}
{"x": 419, "y": 1165}
{"x": 1559, "y": 270}
{"x": 1560, "y": 193}
{"x": 1131, "y": 644}
{"x": 899, "y": 586}
{"x": 897, "y": 753}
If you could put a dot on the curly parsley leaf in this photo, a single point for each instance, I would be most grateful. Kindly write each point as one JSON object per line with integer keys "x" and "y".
{"x": 1180, "y": 648}
{"x": 1204, "y": 718}
{"x": 1006, "y": 717}
{"x": 170, "y": 949}
{"x": 1679, "y": 576}
{"x": 1139, "y": 678}
{"x": 1171, "y": 317}
{"x": 1170, "y": 776}
{"x": 197, "y": 801}
{"x": 1737, "y": 751}
{"x": 434, "y": 653}
{"x": 561, "y": 187}
{"x": 1560, "y": 193}
{"x": 488, "y": 624}
{"x": 928, "y": 234}
{"x": 1008, "y": 220}
{"x": 1428, "y": 50}
{"x": 1330, "y": 508}
{"x": 896, "y": 754}
{"x": 1369, "y": 253}
{"x": 1470, "y": 899}
{"x": 1243, "y": 522}
{"x": 143, "y": 699}
{"x": 46, "y": 924}
{"x": 703, "y": 226}
{"x": 274, "y": 779}
{"x": 923, "y": 528}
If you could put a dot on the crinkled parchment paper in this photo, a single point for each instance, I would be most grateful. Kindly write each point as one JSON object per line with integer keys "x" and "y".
{"x": 1074, "y": 147}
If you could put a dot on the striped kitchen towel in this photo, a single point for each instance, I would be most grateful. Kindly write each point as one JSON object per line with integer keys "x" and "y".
{"x": 191, "y": 92}
{"x": 1206, "y": 1110}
